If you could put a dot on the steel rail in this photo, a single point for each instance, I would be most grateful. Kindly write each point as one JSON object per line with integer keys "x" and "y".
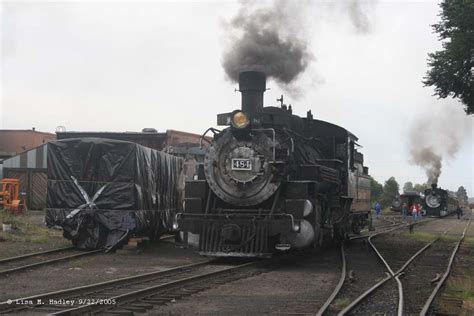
{"x": 338, "y": 287}
{"x": 392, "y": 228}
{"x": 47, "y": 252}
{"x": 390, "y": 276}
{"x": 435, "y": 292}
{"x": 92, "y": 288}
{"x": 393, "y": 223}
{"x": 33, "y": 254}
{"x": 46, "y": 262}
{"x": 361, "y": 297}
{"x": 149, "y": 291}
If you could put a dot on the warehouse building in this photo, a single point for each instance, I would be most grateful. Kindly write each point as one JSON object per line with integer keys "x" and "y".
{"x": 30, "y": 166}
{"x": 14, "y": 142}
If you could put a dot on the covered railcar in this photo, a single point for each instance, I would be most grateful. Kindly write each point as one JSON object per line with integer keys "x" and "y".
{"x": 438, "y": 202}
{"x": 274, "y": 180}
{"x": 102, "y": 191}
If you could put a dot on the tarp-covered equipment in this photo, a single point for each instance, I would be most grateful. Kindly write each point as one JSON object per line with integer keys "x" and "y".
{"x": 100, "y": 191}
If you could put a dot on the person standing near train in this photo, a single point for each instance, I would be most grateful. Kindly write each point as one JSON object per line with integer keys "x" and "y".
{"x": 419, "y": 210}
{"x": 378, "y": 209}
{"x": 404, "y": 211}
{"x": 414, "y": 212}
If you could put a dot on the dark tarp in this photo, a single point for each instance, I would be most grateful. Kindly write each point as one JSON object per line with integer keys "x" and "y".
{"x": 100, "y": 191}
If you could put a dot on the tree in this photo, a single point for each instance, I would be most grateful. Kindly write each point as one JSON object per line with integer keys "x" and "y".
{"x": 390, "y": 191}
{"x": 376, "y": 190}
{"x": 450, "y": 70}
{"x": 421, "y": 187}
{"x": 408, "y": 186}
{"x": 461, "y": 194}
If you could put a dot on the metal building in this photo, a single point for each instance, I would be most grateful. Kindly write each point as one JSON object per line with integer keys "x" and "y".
{"x": 30, "y": 168}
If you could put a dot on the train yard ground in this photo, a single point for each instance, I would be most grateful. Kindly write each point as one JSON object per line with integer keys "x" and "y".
{"x": 29, "y": 235}
{"x": 300, "y": 284}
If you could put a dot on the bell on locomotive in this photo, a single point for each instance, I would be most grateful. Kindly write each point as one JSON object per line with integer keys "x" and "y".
{"x": 273, "y": 180}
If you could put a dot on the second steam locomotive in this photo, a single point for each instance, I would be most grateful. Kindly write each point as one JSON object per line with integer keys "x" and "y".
{"x": 274, "y": 180}
{"x": 439, "y": 202}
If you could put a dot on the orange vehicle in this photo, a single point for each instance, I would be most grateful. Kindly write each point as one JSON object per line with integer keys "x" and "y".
{"x": 10, "y": 196}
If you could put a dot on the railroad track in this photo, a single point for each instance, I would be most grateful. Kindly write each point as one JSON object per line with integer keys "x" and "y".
{"x": 447, "y": 302}
{"x": 358, "y": 253}
{"x": 343, "y": 276}
{"x": 29, "y": 261}
{"x": 393, "y": 222}
{"x": 12, "y": 265}
{"x": 140, "y": 293}
{"x": 339, "y": 285}
{"x": 393, "y": 226}
{"x": 407, "y": 276}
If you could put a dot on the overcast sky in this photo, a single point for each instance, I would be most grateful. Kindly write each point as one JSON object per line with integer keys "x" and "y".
{"x": 123, "y": 66}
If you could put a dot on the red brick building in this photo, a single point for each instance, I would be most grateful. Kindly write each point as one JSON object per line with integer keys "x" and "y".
{"x": 13, "y": 142}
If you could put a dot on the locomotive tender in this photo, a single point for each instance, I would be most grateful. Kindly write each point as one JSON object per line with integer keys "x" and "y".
{"x": 439, "y": 202}
{"x": 274, "y": 180}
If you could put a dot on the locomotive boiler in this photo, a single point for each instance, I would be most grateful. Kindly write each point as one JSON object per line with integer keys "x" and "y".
{"x": 439, "y": 202}
{"x": 274, "y": 180}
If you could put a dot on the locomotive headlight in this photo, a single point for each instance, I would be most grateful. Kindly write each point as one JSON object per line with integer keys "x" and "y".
{"x": 240, "y": 120}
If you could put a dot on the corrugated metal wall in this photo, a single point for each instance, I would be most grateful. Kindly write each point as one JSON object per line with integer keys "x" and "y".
{"x": 30, "y": 168}
{"x": 32, "y": 159}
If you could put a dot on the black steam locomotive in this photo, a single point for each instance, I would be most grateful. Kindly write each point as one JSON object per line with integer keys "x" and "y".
{"x": 439, "y": 202}
{"x": 274, "y": 180}
{"x": 409, "y": 198}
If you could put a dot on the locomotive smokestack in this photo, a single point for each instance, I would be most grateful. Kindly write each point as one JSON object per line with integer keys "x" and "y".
{"x": 252, "y": 85}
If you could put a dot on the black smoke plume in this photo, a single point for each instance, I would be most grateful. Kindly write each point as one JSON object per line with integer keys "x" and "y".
{"x": 271, "y": 39}
{"x": 436, "y": 137}
{"x": 274, "y": 37}
{"x": 358, "y": 15}
{"x": 428, "y": 160}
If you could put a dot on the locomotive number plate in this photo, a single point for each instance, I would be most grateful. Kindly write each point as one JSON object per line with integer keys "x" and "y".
{"x": 241, "y": 164}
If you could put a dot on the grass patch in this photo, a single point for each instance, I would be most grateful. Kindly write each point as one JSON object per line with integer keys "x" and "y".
{"x": 469, "y": 241}
{"x": 27, "y": 228}
{"x": 450, "y": 238}
{"x": 340, "y": 303}
{"x": 388, "y": 211}
{"x": 427, "y": 237}
{"x": 37, "y": 239}
{"x": 462, "y": 287}
{"x": 420, "y": 236}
